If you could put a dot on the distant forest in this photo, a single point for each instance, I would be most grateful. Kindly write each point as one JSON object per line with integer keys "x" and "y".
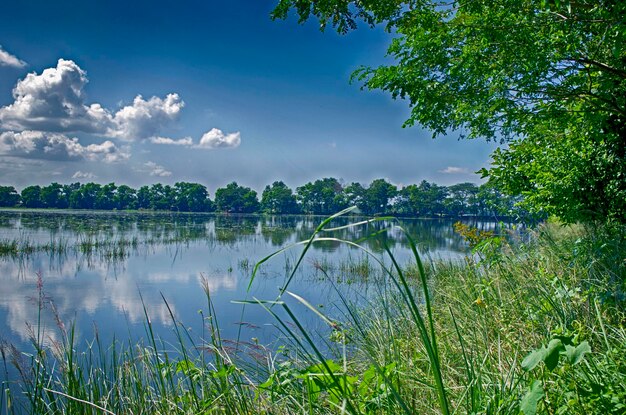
{"x": 321, "y": 197}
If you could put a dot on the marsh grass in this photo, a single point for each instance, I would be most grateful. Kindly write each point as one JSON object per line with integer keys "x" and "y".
{"x": 348, "y": 270}
{"x": 148, "y": 375}
{"x": 107, "y": 248}
{"x": 536, "y": 327}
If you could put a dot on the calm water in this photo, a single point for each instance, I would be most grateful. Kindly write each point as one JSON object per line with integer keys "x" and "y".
{"x": 103, "y": 264}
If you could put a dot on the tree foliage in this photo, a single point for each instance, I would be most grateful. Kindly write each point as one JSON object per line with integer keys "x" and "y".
{"x": 54, "y": 196}
{"x": 547, "y": 76}
{"x": 9, "y": 196}
{"x": 375, "y": 199}
{"x": 425, "y": 199}
{"x": 31, "y": 197}
{"x": 279, "y": 198}
{"x": 192, "y": 197}
{"x": 236, "y": 199}
{"x": 320, "y": 197}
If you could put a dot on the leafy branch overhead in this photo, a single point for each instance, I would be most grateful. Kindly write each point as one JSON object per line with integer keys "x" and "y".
{"x": 546, "y": 76}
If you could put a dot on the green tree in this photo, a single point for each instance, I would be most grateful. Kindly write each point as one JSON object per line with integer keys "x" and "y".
{"x": 425, "y": 199}
{"x": 9, "y": 196}
{"x": 461, "y": 199}
{"x": 143, "y": 197}
{"x": 236, "y": 199}
{"x": 547, "y": 75}
{"x": 354, "y": 195}
{"x": 192, "y": 197}
{"x": 490, "y": 201}
{"x": 85, "y": 196}
{"x": 404, "y": 205}
{"x": 378, "y": 197}
{"x": 105, "y": 197}
{"x": 279, "y": 199}
{"x": 31, "y": 197}
{"x": 322, "y": 197}
{"x": 579, "y": 176}
{"x": 68, "y": 190}
{"x": 125, "y": 198}
{"x": 54, "y": 196}
{"x": 161, "y": 197}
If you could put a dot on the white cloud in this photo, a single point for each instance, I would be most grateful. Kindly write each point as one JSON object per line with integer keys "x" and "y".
{"x": 50, "y": 104}
{"x": 53, "y": 146}
{"x": 156, "y": 170}
{"x": 6, "y": 59}
{"x": 34, "y": 144}
{"x": 54, "y": 101}
{"x": 144, "y": 119}
{"x": 107, "y": 152}
{"x": 454, "y": 170}
{"x": 217, "y": 139}
{"x": 187, "y": 141}
{"x": 83, "y": 175}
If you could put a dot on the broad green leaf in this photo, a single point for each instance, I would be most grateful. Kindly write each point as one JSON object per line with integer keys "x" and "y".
{"x": 529, "y": 402}
{"x": 533, "y": 359}
{"x": 576, "y": 354}
{"x": 553, "y": 351}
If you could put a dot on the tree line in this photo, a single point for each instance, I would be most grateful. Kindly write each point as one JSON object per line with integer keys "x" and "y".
{"x": 320, "y": 197}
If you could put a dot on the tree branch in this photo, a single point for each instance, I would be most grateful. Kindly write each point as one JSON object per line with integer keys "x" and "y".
{"x": 602, "y": 66}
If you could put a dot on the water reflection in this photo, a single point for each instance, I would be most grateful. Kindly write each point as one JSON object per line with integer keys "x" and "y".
{"x": 106, "y": 267}
{"x": 42, "y": 226}
{"x": 71, "y": 291}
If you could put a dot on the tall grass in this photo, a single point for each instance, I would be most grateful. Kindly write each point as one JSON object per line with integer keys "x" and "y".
{"x": 536, "y": 327}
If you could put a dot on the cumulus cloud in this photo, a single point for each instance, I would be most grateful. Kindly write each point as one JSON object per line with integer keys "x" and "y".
{"x": 83, "y": 175}
{"x": 54, "y": 101}
{"x": 6, "y": 59}
{"x": 454, "y": 170}
{"x": 50, "y": 104}
{"x": 53, "y": 146}
{"x": 107, "y": 152}
{"x": 217, "y": 139}
{"x": 156, "y": 170}
{"x": 187, "y": 141}
{"x": 35, "y": 144}
{"x": 144, "y": 119}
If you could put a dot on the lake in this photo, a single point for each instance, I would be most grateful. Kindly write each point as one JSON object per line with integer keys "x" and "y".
{"x": 104, "y": 271}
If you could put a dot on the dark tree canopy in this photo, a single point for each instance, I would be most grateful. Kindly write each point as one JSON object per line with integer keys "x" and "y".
{"x": 192, "y": 197}
{"x": 375, "y": 199}
{"x": 125, "y": 198}
{"x": 84, "y": 197}
{"x": 279, "y": 198}
{"x": 322, "y": 197}
{"x": 236, "y": 199}
{"x": 547, "y": 76}
{"x": 54, "y": 196}
{"x": 31, "y": 197}
{"x": 9, "y": 196}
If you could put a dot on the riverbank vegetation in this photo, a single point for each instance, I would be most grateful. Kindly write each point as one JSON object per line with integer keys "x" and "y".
{"x": 521, "y": 327}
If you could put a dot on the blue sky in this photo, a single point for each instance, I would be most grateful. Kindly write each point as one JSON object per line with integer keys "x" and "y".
{"x": 139, "y": 92}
